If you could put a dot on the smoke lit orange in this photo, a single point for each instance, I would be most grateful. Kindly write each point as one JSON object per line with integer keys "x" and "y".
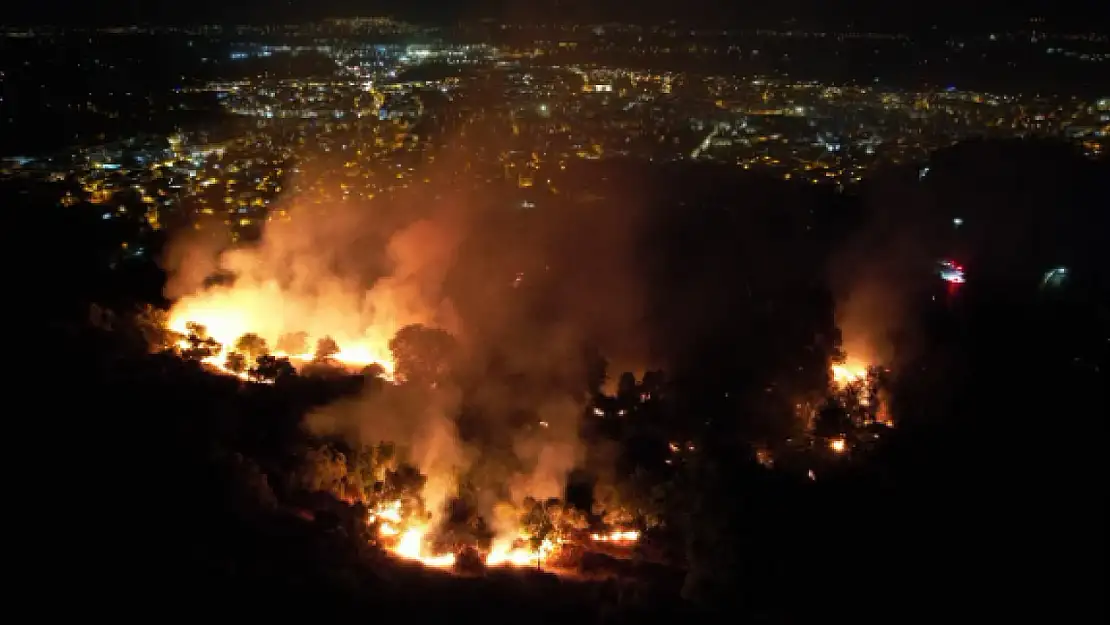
{"x": 407, "y": 540}
{"x": 227, "y": 313}
{"x": 849, "y": 372}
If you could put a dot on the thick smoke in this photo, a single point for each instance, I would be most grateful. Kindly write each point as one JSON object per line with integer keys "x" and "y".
{"x": 334, "y": 274}
{"x": 419, "y": 421}
{"x": 525, "y": 293}
{"x": 190, "y": 260}
{"x": 549, "y": 454}
{"x": 532, "y": 461}
{"x": 869, "y": 314}
{"x": 880, "y": 272}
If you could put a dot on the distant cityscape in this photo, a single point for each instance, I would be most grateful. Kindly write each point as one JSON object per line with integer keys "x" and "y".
{"x": 514, "y": 115}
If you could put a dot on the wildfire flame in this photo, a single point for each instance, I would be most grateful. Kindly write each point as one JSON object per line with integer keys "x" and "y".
{"x": 229, "y": 314}
{"x": 626, "y": 536}
{"x": 852, "y": 373}
{"x": 503, "y": 553}
{"x": 853, "y": 376}
{"x": 409, "y": 541}
{"x": 848, "y": 373}
{"x": 403, "y": 540}
{"x": 411, "y": 546}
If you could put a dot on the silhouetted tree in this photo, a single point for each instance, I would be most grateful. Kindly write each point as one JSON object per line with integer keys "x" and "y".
{"x": 421, "y": 354}
{"x": 638, "y": 500}
{"x": 626, "y": 388}
{"x": 373, "y": 371}
{"x": 151, "y": 322}
{"x": 405, "y": 484}
{"x": 566, "y": 519}
{"x": 536, "y": 521}
{"x": 236, "y": 362}
{"x": 323, "y": 469}
{"x": 198, "y": 344}
{"x": 651, "y": 386}
{"x": 325, "y": 349}
{"x": 369, "y": 466}
{"x": 833, "y": 419}
{"x": 272, "y": 368}
{"x": 251, "y": 346}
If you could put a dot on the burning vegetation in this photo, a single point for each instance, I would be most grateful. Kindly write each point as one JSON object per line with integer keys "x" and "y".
{"x": 403, "y": 464}
{"x": 249, "y": 356}
{"x": 457, "y": 447}
{"x": 435, "y": 516}
{"x": 855, "y": 413}
{"x": 356, "y": 423}
{"x": 396, "y": 502}
{"x": 857, "y": 389}
{"x": 395, "y": 453}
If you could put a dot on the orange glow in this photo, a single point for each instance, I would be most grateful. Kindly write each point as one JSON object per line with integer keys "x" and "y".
{"x": 617, "y": 536}
{"x": 505, "y": 552}
{"x": 849, "y": 372}
{"x": 408, "y": 540}
{"x": 853, "y": 374}
{"x": 228, "y": 313}
{"x": 838, "y": 445}
{"x": 404, "y": 540}
{"x": 411, "y": 546}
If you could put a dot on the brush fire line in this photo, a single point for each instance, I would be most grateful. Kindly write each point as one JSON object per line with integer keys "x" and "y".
{"x": 409, "y": 540}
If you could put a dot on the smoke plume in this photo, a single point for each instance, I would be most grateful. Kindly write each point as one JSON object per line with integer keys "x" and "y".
{"x": 549, "y": 454}
{"x": 524, "y": 291}
{"x": 419, "y": 421}
{"x": 881, "y": 270}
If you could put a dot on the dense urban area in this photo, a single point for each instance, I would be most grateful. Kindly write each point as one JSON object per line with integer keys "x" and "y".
{"x": 563, "y": 321}
{"x": 549, "y": 87}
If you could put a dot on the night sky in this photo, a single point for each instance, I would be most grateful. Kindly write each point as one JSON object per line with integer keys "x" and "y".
{"x": 873, "y": 14}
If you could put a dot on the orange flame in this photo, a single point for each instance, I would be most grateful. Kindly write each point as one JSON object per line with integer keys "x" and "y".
{"x": 411, "y": 546}
{"x": 228, "y": 314}
{"x": 617, "y": 536}
{"x": 849, "y": 372}
{"x": 408, "y": 541}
